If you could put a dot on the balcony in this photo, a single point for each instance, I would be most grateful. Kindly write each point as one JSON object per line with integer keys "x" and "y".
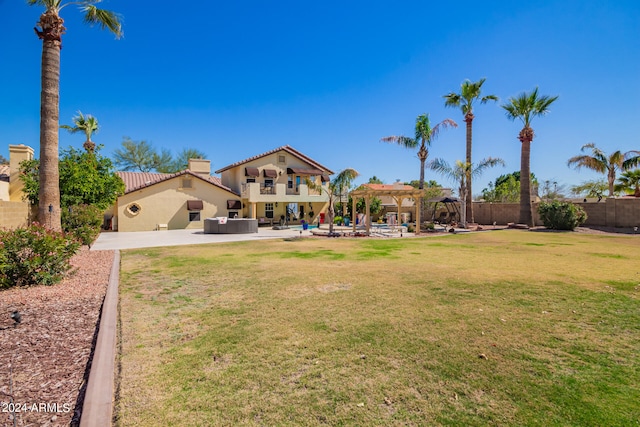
{"x": 255, "y": 192}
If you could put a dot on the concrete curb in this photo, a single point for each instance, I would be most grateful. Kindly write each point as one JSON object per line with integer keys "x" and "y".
{"x": 97, "y": 410}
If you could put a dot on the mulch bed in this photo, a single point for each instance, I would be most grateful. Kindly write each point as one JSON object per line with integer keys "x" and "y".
{"x": 45, "y": 359}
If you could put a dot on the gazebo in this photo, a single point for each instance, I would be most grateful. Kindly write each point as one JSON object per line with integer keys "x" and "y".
{"x": 398, "y": 192}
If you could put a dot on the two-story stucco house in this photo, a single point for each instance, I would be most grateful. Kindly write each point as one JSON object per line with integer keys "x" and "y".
{"x": 273, "y": 188}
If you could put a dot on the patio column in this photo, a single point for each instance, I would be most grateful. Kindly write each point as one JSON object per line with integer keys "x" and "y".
{"x": 367, "y": 219}
{"x": 418, "y": 209}
{"x": 353, "y": 213}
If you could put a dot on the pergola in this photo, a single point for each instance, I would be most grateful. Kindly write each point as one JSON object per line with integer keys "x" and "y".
{"x": 395, "y": 191}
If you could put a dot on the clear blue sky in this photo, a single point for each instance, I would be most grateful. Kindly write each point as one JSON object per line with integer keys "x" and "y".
{"x": 235, "y": 79}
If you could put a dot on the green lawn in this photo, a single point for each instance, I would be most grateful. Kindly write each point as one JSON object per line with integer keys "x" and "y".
{"x": 494, "y": 328}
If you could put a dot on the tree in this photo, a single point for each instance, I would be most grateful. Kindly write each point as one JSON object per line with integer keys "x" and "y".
{"x": 334, "y": 189}
{"x": 3, "y": 161}
{"x": 460, "y": 172}
{"x": 595, "y": 188}
{"x": 375, "y": 204}
{"x": 469, "y": 94}
{"x": 629, "y": 182}
{"x": 551, "y": 190}
{"x": 598, "y": 161}
{"x": 141, "y": 156}
{"x": 181, "y": 161}
{"x": 86, "y": 178}
{"x": 424, "y": 135}
{"x": 86, "y": 124}
{"x": 506, "y": 188}
{"x": 525, "y": 107}
{"x": 50, "y": 32}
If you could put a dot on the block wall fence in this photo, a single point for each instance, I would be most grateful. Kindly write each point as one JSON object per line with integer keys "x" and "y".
{"x": 624, "y": 212}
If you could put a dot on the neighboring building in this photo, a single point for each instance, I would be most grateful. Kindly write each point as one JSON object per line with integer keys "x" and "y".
{"x": 154, "y": 201}
{"x": 14, "y": 209}
{"x": 273, "y": 187}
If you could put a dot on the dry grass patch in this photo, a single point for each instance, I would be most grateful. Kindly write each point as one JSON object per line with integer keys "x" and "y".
{"x": 504, "y": 327}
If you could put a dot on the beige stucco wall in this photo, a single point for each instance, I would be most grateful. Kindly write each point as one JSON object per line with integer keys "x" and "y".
{"x": 4, "y": 190}
{"x": 14, "y": 214}
{"x": 166, "y": 203}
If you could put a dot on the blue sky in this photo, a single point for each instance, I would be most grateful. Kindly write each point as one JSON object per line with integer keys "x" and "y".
{"x": 235, "y": 79}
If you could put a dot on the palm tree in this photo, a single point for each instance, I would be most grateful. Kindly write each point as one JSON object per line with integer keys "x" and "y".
{"x": 460, "y": 172}
{"x": 87, "y": 124}
{"x": 469, "y": 94}
{"x": 629, "y": 182}
{"x": 50, "y": 32}
{"x": 425, "y": 134}
{"x": 334, "y": 189}
{"x": 598, "y": 161}
{"x": 525, "y": 107}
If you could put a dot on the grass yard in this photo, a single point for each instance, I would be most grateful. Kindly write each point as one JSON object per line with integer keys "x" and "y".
{"x": 494, "y": 328}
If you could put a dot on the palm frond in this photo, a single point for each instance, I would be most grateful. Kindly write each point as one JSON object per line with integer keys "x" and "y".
{"x": 405, "y": 141}
{"x": 104, "y": 18}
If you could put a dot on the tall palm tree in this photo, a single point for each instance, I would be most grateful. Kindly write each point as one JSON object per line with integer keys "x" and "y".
{"x": 598, "y": 161}
{"x": 460, "y": 172}
{"x": 334, "y": 189}
{"x": 629, "y": 182}
{"x": 50, "y": 32}
{"x": 425, "y": 134}
{"x": 525, "y": 107}
{"x": 87, "y": 124}
{"x": 469, "y": 94}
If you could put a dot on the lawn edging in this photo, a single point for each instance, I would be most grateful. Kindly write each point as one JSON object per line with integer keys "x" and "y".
{"x": 97, "y": 409}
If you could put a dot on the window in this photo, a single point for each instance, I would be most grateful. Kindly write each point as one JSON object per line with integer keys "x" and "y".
{"x": 268, "y": 183}
{"x": 186, "y": 183}
{"x": 289, "y": 181}
{"x": 282, "y": 159}
{"x": 251, "y": 180}
{"x": 194, "y": 216}
{"x": 233, "y": 214}
{"x": 268, "y": 210}
{"x": 134, "y": 209}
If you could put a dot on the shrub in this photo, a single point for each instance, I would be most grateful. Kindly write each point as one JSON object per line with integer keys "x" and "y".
{"x": 337, "y": 220}
{"x": 83, "y": 222}
{"x": 561, "y": 215}
{"x": 34, "y": 255}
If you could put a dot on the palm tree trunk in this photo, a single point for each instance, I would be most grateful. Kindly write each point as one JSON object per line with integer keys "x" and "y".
{"x": 526, "y": 216}
{"x": 49, "y": 191}
{"x": 423, "y": 153}
{"x": 611, "y": 178}
{"x": 468, "y": 118}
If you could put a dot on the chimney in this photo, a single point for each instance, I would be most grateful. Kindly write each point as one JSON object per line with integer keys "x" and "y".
{"x": 17, "y": 154}
{"x": 200, "y": 167}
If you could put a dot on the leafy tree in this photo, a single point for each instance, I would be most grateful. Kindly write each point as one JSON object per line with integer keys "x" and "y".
{"x": 470, "y": 93}
{"x": 424, "y": 135}
{"x": 3, "y": 161}
{"x": 460, "y": 172}
{"x": 50, "y": 32}
{"x": 375, "y": 204}
{"x": 594, "y": 188}
{"x": 506, "y": 188}
{"x": 86, "y": 178}
{"x": 525, "y": 107}
{"x": 598, "y": 161}
{"x": 181, "y": 161}
{"x": 334, "y": 189}
{"x": 86, "y": 124}
{"x": 629, "y": 182}
{"x": 142, "y": 156}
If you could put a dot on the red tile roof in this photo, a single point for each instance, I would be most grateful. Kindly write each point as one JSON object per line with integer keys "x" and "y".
{"x": 286, "y": 148}
{"x": 388, "y": 187}
{"x": 138, "y": 180}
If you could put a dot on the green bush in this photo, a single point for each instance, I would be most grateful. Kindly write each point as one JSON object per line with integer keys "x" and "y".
{"x": 34, "y": 255}
{"x": 83, "y": 222}
{"x": 337, "y": 220}
{"x": 561, "y": 215}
